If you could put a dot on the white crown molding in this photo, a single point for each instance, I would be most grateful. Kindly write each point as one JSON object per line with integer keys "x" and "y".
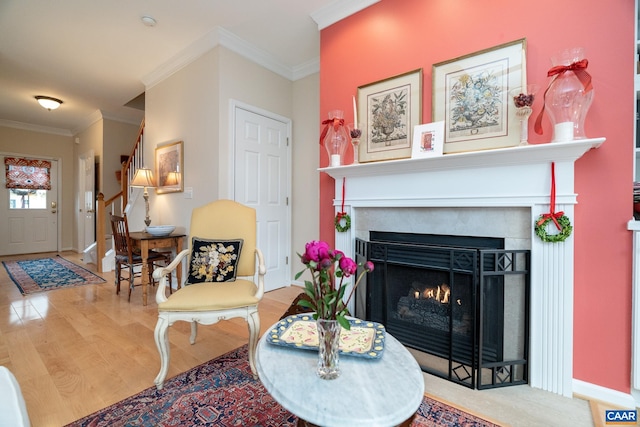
{"x": 338, "y": 10}
{"x": 222, "y": 37}
{"x": 132, "y": 119}
{"x": 249, "y": 51}
{"x": 182, "y": 59}
{"x": 99, "y": 115}
{"x": 306, "y": 69}
{"x": 88, "y": 121}
{"x": 324, "y": 17}
{"x": 35, "y": 128}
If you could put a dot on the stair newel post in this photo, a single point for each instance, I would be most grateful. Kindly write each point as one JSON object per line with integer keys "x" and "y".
{"x": 100, "y": 231}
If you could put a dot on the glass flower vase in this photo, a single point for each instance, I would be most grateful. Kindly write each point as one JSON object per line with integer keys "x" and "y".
{"x": 336, "y": 139}
{"x": 328, "y": 353}
{"x": 355, "y": 132}
{"x": 567, "y": 99}
{"x": 523, "y": 98}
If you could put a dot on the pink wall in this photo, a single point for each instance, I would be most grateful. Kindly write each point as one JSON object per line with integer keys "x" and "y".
{"x": 396, "y": 36}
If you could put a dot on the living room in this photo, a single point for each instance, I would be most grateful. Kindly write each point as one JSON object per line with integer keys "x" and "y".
{"x": 389, "y": 38}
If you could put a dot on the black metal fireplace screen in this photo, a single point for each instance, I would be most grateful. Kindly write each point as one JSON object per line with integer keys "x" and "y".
{"x": 461, "y": 304}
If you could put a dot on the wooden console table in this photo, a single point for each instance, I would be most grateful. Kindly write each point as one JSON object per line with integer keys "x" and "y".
{"x": 145, "y": 242}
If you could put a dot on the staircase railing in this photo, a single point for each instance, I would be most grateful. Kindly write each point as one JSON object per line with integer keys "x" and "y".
{"x": 103, "y": 207}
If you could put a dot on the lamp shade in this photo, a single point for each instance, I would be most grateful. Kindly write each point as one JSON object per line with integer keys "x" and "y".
{"x": 173, "y": 178}
{"x": 143, "y": 178}
{"x": 48, "y": 102}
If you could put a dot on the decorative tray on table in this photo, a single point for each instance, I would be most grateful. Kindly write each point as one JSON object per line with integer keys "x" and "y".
{"x": 364, "y": 339}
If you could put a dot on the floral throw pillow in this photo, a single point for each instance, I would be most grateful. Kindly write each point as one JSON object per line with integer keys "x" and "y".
{"x": 213, "y": 260}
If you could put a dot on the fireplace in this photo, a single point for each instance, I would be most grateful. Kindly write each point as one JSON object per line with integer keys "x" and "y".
{"x": 493, "y": 183}
{"x": 459, "y": 302}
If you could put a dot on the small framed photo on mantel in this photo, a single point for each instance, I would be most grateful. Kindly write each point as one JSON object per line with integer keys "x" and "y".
{"x": 428, "y": 140}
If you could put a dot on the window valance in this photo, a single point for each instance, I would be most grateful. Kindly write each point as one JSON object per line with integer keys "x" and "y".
{"x": 31, "y": 174}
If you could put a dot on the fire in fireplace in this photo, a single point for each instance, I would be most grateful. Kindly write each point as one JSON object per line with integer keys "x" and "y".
{"x": 460, "y": 303}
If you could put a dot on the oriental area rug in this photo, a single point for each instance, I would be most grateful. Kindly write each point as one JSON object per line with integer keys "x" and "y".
{"x": 46, "y": 274}
{"x": 222, "y": 392}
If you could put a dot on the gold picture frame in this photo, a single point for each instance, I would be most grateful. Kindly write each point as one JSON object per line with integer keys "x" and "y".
{"x": 388, "y": 111}
{"x": 471, "y": 94}
{"x": 170, "y": 168}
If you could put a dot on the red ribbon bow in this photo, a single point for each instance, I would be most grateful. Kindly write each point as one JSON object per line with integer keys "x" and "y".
{"x": 339, "y": 215}
{"x": 554, "y": 216}
{"x": 579, "y": 68}
{"x": 336, "y": 124}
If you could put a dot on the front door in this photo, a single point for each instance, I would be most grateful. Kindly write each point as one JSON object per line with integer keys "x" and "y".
{"x": 29, "y": 221}
{"x": 262, "y": 182}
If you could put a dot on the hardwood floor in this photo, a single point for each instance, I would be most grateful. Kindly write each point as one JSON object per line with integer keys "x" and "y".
{"x": 75, "y": 351}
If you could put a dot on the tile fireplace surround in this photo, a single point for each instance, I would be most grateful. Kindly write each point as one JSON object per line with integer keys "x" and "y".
{"x": 515, "y": 177}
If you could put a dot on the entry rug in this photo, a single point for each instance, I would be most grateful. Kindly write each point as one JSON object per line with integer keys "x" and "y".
{"x": 222, "y": 392}
{"x": 46, "y": 274}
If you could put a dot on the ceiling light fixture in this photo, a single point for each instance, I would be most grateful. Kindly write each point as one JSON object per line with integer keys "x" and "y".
{"x": 48, "y": 102}
{"x": 148, "y": 21}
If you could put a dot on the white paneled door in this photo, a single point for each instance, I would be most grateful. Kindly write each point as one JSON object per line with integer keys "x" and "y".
{"x": 262, "y": 182}
{"x": 86, "y": 188}
{"x": 29, "y": 220}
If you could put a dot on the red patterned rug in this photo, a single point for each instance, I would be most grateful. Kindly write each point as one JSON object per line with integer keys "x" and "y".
{"x": 222, "y": 392}
{"x": 46, "y": 274}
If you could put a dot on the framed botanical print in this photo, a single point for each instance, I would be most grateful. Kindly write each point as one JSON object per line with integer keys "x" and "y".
{"x": 389, "y": 110}
{"x": 471, "y": 95}
{"x": 169, "y": 168}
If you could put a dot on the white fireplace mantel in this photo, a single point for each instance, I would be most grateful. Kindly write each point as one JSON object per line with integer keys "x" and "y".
{"x": 520, "y": 155}
{"x": 507, "y": 177}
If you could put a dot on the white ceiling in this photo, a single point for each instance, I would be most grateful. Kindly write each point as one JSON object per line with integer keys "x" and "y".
{"x": 97, "y": 55}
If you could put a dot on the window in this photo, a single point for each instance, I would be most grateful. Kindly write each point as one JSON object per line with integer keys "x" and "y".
{"x": 28, "y": 181}
{"x": 20, "y": 198}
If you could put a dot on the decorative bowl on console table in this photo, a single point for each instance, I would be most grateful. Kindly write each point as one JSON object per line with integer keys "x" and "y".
{"x": 160, "y": 230}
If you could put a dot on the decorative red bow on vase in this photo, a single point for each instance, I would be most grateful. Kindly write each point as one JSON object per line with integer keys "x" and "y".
{"x": 336, "y": 124}
{"x": 579, "y": 68}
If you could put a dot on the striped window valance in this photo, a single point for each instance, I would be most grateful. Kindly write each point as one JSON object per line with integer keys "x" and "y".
{"x": 31, "y": 174}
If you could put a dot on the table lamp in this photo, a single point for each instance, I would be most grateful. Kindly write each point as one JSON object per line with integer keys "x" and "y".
{"x": 144, "y": 178}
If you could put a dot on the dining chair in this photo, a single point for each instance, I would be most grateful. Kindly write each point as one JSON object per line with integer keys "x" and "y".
{"x": 128, "y": 258}
{"x": 225, "y": 277}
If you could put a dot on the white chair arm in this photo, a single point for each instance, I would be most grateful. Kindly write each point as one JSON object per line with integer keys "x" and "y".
{"x": 262, "y": 270}
{"x": 161, "y": 273}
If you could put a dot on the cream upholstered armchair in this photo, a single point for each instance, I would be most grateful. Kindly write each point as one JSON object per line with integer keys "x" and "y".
{"x": 223, "y": 265}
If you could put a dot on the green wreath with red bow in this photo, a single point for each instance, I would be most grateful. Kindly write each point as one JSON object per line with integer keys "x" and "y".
{"x": 561, "y": 221}
{"x": 342, "y": 222}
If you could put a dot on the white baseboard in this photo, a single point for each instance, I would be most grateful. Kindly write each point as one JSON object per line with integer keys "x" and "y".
{"x": 109, "y": 261}
{"x": 603, "y": 394}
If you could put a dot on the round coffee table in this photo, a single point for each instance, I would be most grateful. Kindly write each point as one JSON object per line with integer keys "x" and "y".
{"x": 369, "y": 392}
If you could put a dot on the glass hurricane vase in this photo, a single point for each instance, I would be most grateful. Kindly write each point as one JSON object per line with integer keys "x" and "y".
{"x": 567, "y": 100}
{"x": 328, "y": 353}
{"x": 336, "y": 139}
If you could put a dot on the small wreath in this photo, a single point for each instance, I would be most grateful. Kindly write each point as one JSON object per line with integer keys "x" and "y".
{"x": 338, "y": 222}
{"x": 565, "y": 231}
